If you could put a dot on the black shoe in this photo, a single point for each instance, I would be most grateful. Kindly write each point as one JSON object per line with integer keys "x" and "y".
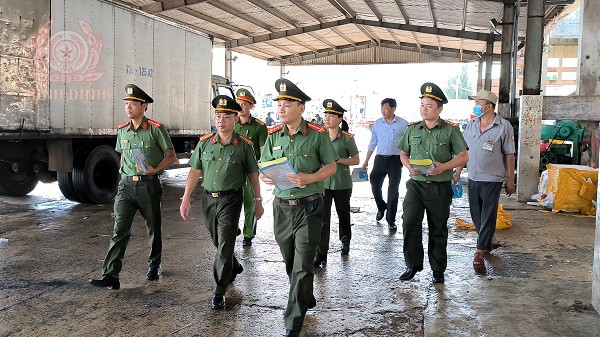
{"x": 153, "y": 273}
{"x": 379, "y": 215}
{"x": 313, "y": 302}
{"x": 235, "y": 273}
{"x": 345, "y": 248}
{"x": 247, "y": 242}
{"x": 438, "y": 277}
{"x": 409, "y": 273}
{"x": 292, "y": 333}
{"x": 107, "y": 281}
{"x": 392, "y": 226}
{"x": 320, "y": 260}
{"x": 218, "y": 301}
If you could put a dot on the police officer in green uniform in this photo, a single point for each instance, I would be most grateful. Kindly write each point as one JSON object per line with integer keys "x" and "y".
{"x": 140, "y": 187}
{"x": 298, "y": 212}
{"x": 338, "y": 187}
{"x": 226, "y": 161}
{"x": 255, "y": 130}
{"x": 442, "y": 143}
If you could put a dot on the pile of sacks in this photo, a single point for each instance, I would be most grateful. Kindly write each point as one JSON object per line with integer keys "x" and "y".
{"x": 568, "y": 188}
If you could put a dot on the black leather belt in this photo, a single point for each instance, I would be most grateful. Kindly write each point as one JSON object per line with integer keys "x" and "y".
{"x": 301, "y": 201}
{"x": 141, "y": 178}
{"x": 388, "y": 157}
{"x": 223, "y": 193}
{"x": 432, "y": 182}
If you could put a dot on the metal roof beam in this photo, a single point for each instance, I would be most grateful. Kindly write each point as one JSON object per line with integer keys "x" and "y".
{"x": 214, "y": 21}
{"x": 343, "y": 36}
{"x": 166, "y": 5}
{"x": 370, "y": 35}
{"x": 331, "y": 45}
{"x": 343, "y": 7}
{"x": 432, "y": 14}
{"x": 203, "y": 30}
{"x": 431, "y": 50}
{"x": 273, "y": 11}
{"x": 374, "y": 10}
{"x": 236, "y": 13}
{"x": 300, "y": 4}
{"x": 402, "y": 12}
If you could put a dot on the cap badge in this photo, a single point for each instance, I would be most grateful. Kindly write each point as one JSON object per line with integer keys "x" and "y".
{"x": 329, "y": 105}
{"x": 129, "y": 90}
{"x": 242, "y": 93}
{"x": 282, "y": 87}
{"x": 428, "y": 89}
{"x": 222, "y": 101}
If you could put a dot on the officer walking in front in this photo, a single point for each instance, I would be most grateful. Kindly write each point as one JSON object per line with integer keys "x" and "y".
{"x": 438, "y": 140}
{"x": 255, "y": 130}
{"x": 298, "y": 212}
{"x": 140, "y": 187}
{"x": 226, "y": 161}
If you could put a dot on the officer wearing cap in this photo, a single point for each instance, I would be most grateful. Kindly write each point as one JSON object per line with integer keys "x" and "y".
{"x": 491, "y": 159}
{"x": 440, "y": 141}
{"x": 225, "y": 161}
{"x": 338, "y": 187}
{"x": 298, "y": 212}
{"x": 255, "y": 130}
{"x": 146, "y": 151}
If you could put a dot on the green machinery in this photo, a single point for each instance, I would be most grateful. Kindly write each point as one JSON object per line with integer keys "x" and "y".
{"x": 561, "y": 143}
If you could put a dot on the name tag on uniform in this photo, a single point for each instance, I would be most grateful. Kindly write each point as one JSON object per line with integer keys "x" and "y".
{"x": 487, "y": 145}
{"x": 275, "y": 148}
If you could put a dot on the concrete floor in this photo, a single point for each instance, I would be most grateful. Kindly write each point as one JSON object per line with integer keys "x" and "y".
{"x": 537, "y": 284}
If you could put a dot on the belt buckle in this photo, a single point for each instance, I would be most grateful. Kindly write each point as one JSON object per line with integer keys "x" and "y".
{"x": 215, "y": 194}
{"x": 136, "y": 178}
{"x": 293, "y": 202}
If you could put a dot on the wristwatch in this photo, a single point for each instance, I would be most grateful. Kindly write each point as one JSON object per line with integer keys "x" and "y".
{"x": 257, "y": 198}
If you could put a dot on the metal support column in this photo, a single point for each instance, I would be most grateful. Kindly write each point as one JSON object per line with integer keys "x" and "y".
{"x": 228, "y": 63}
{"x": 534, "y": 39}
{"x": 282, "y": 71}
{"x": 489, "y": 60}
{"x": 505, "y": 67}
{"x": 479, "y": 75}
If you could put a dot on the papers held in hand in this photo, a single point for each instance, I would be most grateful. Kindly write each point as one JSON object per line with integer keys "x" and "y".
{"x": 421, "y": 165}
{"x": 140, "y": 159}
{"x": 359, "y": 175}
{"x": 277, "y": 170}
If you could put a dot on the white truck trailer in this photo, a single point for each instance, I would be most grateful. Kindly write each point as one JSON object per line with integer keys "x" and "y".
{"x": 63, "y": 68}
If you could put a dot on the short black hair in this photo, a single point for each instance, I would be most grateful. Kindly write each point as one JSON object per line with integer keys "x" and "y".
{"x": 390, "y": 101}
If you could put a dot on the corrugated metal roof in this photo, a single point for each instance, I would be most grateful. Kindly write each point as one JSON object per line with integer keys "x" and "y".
{"x": 339, "y": 30}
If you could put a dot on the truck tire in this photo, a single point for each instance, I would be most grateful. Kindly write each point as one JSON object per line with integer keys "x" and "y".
{"x": 65, "y": 183}
{"x": 96, "y": 175}
{"x": 16, "y": 184}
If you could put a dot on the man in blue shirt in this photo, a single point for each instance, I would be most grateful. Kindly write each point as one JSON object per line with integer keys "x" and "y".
{"x": 386, "y": 134}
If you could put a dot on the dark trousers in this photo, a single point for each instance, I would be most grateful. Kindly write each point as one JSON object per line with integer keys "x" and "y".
{"x": 222, "y": 217}
{"x": 342, "y": 206}
{"x": 297, "y": 231}
{"x": 483, "y": 204}
{"x": 145, "y": 196}
{"x": 435, "y": 199}
{"x": 392, "y": 167}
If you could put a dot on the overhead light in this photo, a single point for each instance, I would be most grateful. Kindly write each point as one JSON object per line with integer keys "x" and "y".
{"x": 494, "y": 22}
{"x": 521, "y": 45}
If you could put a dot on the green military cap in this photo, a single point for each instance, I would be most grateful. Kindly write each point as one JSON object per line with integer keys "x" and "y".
{"x": 332, "y": 107}
{"x": 245, "y": 95}
{"x": 289, "y": 91}
{"x": 431, "y": 90}
{"x": 225, "y": 104}
{"x": 134, "y": 93}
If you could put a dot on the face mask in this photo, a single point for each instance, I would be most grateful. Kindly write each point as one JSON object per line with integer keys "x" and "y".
{"x": 477, "y": 111}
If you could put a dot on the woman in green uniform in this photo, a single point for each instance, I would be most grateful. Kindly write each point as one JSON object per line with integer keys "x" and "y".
{"x": 338, "y": 187}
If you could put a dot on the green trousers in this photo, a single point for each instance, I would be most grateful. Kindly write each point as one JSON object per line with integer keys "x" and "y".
{"x": 132, "y": 196}
{"x": 434, "y": 198}
{"x": 298, "y": 232}
{"x": 222, "y": 217}
{"x": 249, "y": 223}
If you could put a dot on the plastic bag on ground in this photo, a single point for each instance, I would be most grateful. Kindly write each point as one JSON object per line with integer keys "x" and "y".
{"x": 503, "y": 221}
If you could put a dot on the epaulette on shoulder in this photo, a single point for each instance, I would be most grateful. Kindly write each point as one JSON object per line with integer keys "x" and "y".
{"x": 451, "y": 123}
{"x": 275, "y": 128}
{"x": 351, "y": 135}
{"x": 206, "y": 136}
{"x": 316, "y": 127}
{"x": 259, "y": 121}
{"x": 413, "y": 123}
{"x": 122, "y": 125}
{"x": 154, "y": 123}
{"x": 248, "y": 141}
